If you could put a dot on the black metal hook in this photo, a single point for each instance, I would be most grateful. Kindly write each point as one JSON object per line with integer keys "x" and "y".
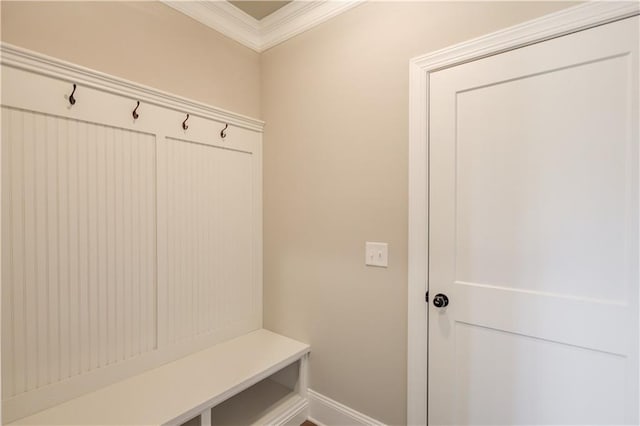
{"x": 135, "y": 112}
{"x": 184, "y": 123}
{"x": 223, "y": 132}
{"x": 72, "y": 100}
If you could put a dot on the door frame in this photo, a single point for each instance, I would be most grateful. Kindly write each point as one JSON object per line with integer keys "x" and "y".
{"x": 554, "y": 25}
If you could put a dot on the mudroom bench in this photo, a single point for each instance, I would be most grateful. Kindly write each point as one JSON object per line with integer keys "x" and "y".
{"x": 257, "y": 378}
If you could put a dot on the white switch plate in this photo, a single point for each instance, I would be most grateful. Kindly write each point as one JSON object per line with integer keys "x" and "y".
{"x": 376, "y": 254}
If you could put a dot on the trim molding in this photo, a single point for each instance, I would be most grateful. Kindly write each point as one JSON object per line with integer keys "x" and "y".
{"x": 294, "y": 413}
{"x": 260, "y": 35}
{"x": 554, "y": 25}
{"x": 20, "y": 58}
{"x": 324, "y": 411}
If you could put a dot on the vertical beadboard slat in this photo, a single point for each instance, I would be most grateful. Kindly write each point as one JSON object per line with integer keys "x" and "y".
{"x": 216, "y": 247}
{"x": 120, "y": 244}
{"x": 92, "y": 229}
{"x": 31, "y": 311}
{"x": 78, "y": 279}
{"x": 74, "y": 262}
{"x": 205, "y": 314}
{"x": 143, "y": 303}
{"x": 52, "y": 148}
{"x": 153, "y": 252}
{"x": 183, "y": 294}
{"x": 7, "y": 255}
{"x": 163, "y": 267}
{"x": 127, "y": 241}
{"x": 63, "y": 247}
{"x": 112, "y": 231}
{"x": 18, "y": 252}
{"x": 103, "y": 254}
{"x": 192, "y": 243}
{"x": 74, "y": 249}
{"x": 173, "y": 299}
{"x": 135, "y": 255}
{"x": 226, "y": 290}
{"x": 83, "y": 249}
{"x": 185, "y": 192}
{"x": 201, "y": 252}
{"x": 42, "y": 285}
{"x": 178, "y": 296}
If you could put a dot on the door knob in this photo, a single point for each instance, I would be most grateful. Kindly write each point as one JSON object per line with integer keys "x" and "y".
{"x": 440, "y": 300}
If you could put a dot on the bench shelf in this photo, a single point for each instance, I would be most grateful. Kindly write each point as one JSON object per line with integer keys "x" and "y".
{"x": 191, "y": 386}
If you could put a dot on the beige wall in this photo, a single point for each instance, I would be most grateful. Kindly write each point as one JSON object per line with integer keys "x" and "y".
{"x": 146, "y": 42}
{"x": 335, "y": 100}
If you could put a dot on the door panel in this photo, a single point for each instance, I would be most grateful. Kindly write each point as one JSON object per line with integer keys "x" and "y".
{"x": 556, "y": 394}
{"x": 533, "y": 227}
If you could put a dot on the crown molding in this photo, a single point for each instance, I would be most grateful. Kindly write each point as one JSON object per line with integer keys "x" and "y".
{"x": 223, "y": 17}
{"x": 288, "y": 21}
{"x": 299, "y": 16}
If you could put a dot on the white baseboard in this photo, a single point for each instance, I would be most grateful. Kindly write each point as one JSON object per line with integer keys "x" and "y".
{"x": 291, "y": 413}
{"x": 324, "y": 411}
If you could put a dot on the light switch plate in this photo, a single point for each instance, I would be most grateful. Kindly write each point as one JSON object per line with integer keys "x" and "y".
{"x": 376, "y": 254}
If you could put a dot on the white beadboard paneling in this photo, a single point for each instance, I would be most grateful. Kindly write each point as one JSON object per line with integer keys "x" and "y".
{"x": 209, "y": 261}
{"x": 97, "y": 215}
{"x": 55, "y": 180}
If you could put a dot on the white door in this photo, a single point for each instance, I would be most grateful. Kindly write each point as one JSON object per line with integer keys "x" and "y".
{"x": 533, "y": 234}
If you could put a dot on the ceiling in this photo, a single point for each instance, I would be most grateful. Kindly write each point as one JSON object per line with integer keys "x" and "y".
{"x": 259, "y": 9}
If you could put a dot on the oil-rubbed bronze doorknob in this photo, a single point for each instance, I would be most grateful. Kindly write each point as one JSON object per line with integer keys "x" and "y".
{"x": 440, "y": 300}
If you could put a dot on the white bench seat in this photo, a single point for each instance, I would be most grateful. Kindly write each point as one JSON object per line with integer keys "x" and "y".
{"x": 182, "y": 389}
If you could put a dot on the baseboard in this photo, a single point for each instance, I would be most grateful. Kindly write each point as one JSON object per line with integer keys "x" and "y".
{"x": 324, "y": 411}
{"x": 294, "y": 414}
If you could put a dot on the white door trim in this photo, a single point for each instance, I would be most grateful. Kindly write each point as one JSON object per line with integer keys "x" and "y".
{"x": 550, "y": 26}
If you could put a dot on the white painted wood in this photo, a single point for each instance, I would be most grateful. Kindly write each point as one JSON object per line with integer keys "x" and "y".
{"x": 260, "y": 35}
{"x": 3, "y": 223}
{"x": 566, "y": 21}
{"x": 178, "y": 391}
{"x": 211, "y": 279}
{"x": 534, "y": 233}
{"x": 86, "y": 294}
{"x": 290, "y": 411}
{"x": 44, "y": 254}
{"x": 325, "y": 411}
{"x": 417, "y": 349}
{"x": 205, "y": 417}
{"x": 67, "y": 73}
{"x": 264, "y": 403}
{"x": 225, "y": 18}
{"x": 6, "y": 353}
{"x": 298, "y": 17}
{"x": 303, "y": 377}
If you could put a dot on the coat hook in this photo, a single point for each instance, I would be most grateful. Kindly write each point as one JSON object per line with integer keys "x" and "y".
{"x": 135, "y": 112}
{"x": 72, "y": 100}
{"x": 184, "y": 123}
{"x": 223, "y": 132}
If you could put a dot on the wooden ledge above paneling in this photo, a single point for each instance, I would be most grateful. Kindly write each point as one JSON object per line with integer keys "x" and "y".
{"x": 20, "y": 58}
